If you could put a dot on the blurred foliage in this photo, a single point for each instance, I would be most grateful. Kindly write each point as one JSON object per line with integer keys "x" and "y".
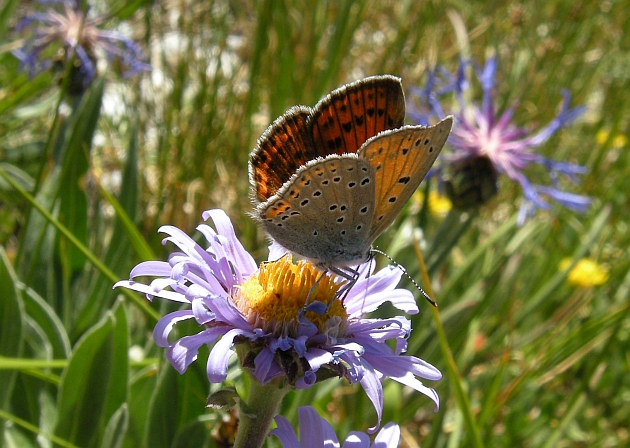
{"x": 543, "y": 362}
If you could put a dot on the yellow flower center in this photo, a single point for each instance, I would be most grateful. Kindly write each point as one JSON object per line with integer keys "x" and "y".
{"x": 274, "y": 296}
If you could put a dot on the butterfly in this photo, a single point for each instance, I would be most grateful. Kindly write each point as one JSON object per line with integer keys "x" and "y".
{"x": 327, "y": 181}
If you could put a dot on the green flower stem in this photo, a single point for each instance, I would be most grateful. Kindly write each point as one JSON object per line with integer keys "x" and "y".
{"x": 453, "y": 373}
{"x": 257, "y": 412}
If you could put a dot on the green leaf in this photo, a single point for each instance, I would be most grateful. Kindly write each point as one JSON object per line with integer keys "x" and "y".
{"x": 141, "y": 390}
{"x": 42, "y": 313}
{"x": 85, "y": 384}
{"x": 193, "y": 434}
{"x": 11, "y": 322}
{"x": 84, "y": 250}
{"x": 177, "y": 401}
{"x": 162, "y": 419}
{"x": 116, "y": 428}
{"x": 18, "y": 175}
{"x": 126, "y": 208}
{"x": 35, "y": 260}
{"x": 75, "y": 164}
{"x": 127, "y": 9}
{"x": 119, "y": 256}
{"x": 6, "y": 12}
{"x": 22, "y": 90}
{"x": 119, "y": 384}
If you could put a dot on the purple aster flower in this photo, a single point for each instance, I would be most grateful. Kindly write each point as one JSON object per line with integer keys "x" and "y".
{"x": 480, "y": 133}
{"x": 235, "y": 302}
{"x": 315, "y": 432}
{"x": 64, "y": 24}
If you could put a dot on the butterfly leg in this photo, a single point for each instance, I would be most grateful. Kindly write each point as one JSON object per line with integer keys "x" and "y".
{"x": 348, "y": 274}
{"x": 351, "y": 275}
{"x": 317, "y": 307}
{"x": 285, "y": 255}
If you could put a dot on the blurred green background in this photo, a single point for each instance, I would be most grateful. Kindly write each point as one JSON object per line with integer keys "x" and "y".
{"x": 544, "y": 361}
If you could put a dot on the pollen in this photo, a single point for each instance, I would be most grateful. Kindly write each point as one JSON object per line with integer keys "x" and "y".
{"x": 274, "y": 297}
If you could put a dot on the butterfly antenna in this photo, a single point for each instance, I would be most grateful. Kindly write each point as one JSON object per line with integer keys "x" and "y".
{"x": 404, "y": 271}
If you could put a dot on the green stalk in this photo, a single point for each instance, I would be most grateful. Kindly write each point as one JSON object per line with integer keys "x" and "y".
{"x": 451, "y": 367}
{"x": 257, "y": 411}
{"x": 579, "y": 398}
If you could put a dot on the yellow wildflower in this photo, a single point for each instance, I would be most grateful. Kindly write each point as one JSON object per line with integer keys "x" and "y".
{"x": 618, "y": 141}
{"x": 438, "y": 205}
{"x": 586, "y": 273}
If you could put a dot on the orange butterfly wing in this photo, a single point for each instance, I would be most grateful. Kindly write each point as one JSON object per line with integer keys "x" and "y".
{"x": 401, "y": 158}
{"x": 356, "y": 112}
{"x": 283, "y": 148}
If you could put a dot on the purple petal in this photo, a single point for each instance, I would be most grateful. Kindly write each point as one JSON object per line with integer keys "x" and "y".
{"x": 317, "y": 357}
{"x": 202, "y": 314}
{"x": 263, "y": 364}
{"x": 165, "y": 325}
{"x": 374, "y": 390}
{"x": 369, "y": 293}
{"x": 572, "y": 201}
{"x": 184, "y": 351}
{"x": 414, "y": 383}
{"x": 152, "y": 268}
{"x": 150, "y": 292}
{"x": 314, "y": 430}
{"x": 565, "y": 117}
{"x": 220, "y": 355}
{"x": 285, "y": 433}
{"x": 244, "y": 261}
{"x": 308, "y": 380}
{"x": 388, "y": 437}
{"x": 276, "y": 252}
{"x": 226, "y": 312}
{"x": 356, "y": 439}
{"x": 486, "y": 79}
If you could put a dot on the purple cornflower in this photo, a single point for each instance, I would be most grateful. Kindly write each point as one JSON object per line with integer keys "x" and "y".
{"x": 479, "y": 132}
{"x": 236, "y": 302}
{"x": 315, "y": 432}
{"x": 66, "y": 25}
